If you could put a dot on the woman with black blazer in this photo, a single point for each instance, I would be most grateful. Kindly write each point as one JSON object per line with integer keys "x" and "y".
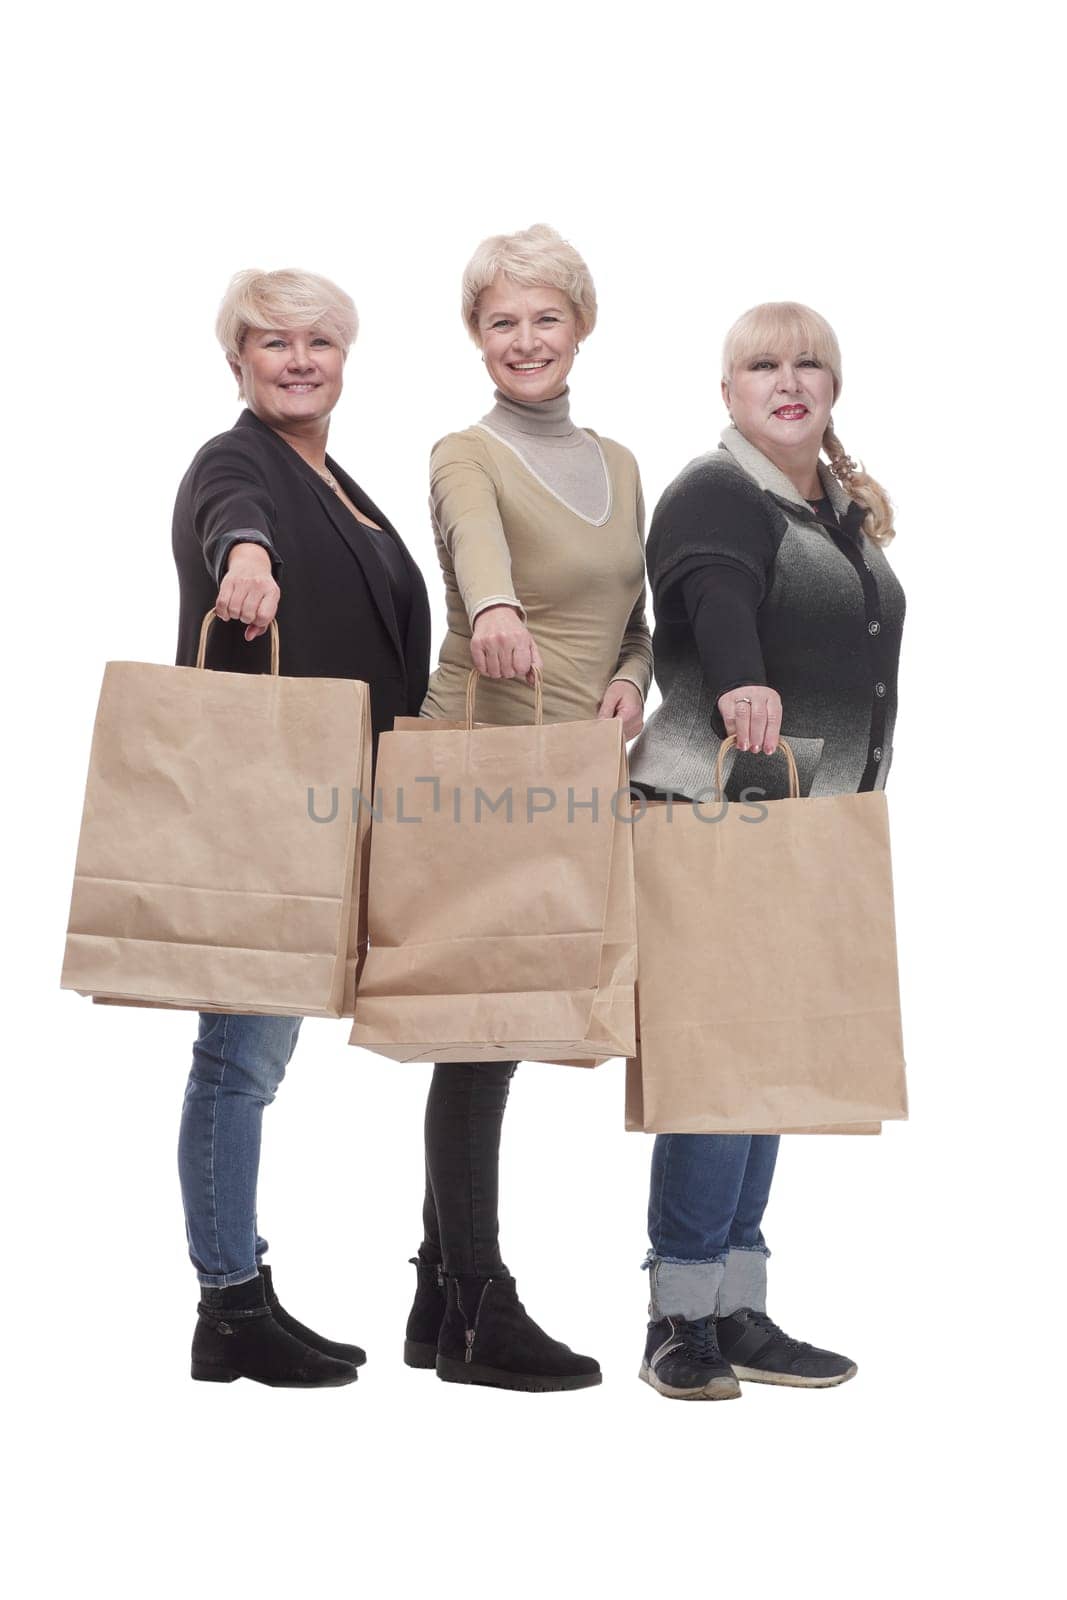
{"x": 265, "y": 525}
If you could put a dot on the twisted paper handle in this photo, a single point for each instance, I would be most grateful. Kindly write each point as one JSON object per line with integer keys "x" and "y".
{"x": 539, "y": 698}
{"x": 275, "y": 644}
{"x": 794, "y": 776}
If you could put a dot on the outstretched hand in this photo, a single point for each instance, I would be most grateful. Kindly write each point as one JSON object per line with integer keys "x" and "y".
{"x": 248, "y": 592}
{"x": 502, "y": 646}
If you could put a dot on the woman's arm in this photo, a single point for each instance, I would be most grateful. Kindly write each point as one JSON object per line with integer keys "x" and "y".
{"x": 721, "y": 602}
{"x": 635, "y": 653}
{"x": 467, "y": 519}
{"x": 231, "y": 505}
{"x": 711, "y": 557}
{"x": 234, "y": 521}
{"x": 626, "y": 691}
{"x": 625, "y": 695}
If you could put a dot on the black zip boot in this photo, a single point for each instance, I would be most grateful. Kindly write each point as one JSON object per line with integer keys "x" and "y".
{"x": 326, "y": 1347}
{"x": 237, "y": 1337}
{"x": 426, "y": 1314}
{"x": 488, "y": 1338}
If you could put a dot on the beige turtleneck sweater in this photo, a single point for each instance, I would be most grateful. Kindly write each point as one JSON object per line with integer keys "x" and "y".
{"x": 531, "y": 511}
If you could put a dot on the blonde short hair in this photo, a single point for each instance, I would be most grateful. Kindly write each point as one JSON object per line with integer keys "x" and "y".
{"x": 533, "y": 256}
{"x": 781, "y": 327}
{"x": 284, "y": 299}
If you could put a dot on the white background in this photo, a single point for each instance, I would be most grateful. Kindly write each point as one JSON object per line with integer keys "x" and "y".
{"x": 894, "y": 167}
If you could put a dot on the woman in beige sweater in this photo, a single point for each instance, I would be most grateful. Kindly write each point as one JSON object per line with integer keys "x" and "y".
{"x": 539, "y": 529}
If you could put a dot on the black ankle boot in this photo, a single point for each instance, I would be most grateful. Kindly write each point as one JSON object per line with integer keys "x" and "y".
{"x": 326, "y": 1347}
{"x": 487, "y": 1337}
{"x": 237, "y": 1337}
{"x": 426, "y": 1315}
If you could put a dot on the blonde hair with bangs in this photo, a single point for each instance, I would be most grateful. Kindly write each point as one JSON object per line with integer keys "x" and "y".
{"x": 785, "y": 326}
{"x": 530, "y": 257}
{"x": 284, "y": 299}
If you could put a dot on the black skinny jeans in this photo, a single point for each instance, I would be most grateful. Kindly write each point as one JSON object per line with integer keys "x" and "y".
{"x": 464, "y": 1113}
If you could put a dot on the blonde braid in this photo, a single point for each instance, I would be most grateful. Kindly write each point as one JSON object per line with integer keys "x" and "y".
{"x": 878, "y": 523}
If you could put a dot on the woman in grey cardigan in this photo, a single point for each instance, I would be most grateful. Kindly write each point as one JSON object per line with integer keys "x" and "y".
{"x": 776, "y": 611}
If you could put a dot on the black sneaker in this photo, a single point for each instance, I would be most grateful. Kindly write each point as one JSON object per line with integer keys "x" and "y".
{"x": 760, "y": 1352}
{"x": 683, "y": 1361}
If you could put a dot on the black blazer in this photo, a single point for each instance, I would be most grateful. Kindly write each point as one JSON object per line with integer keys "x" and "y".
{"x": 336, "y": 617}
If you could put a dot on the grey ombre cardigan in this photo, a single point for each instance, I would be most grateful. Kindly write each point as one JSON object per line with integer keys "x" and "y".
{"x": 829, "y": 618}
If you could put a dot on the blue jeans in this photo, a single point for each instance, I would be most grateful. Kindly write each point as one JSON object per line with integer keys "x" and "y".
{"x": 238, "y": 1063}
{"x": 707, "y": 1196}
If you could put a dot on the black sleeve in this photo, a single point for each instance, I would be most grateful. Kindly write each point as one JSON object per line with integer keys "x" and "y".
{"x": 231, "y": 505}
{"x": 711, "y": 553}
{"x": 721, "y": 602}
{"x": 713, "y": 512}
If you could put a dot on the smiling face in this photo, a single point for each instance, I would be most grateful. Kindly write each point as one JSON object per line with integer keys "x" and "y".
{"x": 528, "y": 338}
{"x": 291, "y": 378}
{"x": 781, "y": 402}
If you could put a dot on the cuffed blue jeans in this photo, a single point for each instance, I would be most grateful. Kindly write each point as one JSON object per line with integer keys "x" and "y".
{"x": 707, "y": 1196}
{"x": 238, "y": 1063}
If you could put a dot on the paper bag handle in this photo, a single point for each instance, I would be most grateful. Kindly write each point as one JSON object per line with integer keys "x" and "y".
{"x": 275, "y": 644}
{"x": 794, "y": 776}
{"x": 539, "y": 698}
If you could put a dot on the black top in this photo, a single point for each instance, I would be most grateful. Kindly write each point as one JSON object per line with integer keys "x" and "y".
{"x": 825, "y": 511}
{"x": 391, "y": 556}
{"x": 353, "y": 602}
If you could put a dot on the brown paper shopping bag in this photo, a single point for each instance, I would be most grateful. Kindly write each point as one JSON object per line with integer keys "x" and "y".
{"x": 768, "y": 998}
{"x": 501, "y": 914}
{"x": 635, "y": 1106}
{"x": 203, "y": 880}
